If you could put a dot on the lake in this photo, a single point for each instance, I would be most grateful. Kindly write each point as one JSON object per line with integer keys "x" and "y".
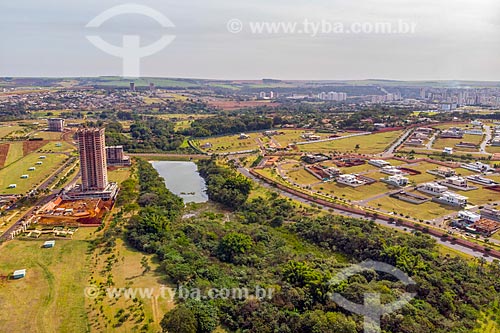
{"x": 182, "y": 179}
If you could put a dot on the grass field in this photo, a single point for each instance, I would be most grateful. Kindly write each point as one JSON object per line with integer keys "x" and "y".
{"x": 493, "y": 150}
{"x": 425, "y": 211}
{"x": 119, "y": 175}
{"x": 230, "y": 143}
{"x": 12, "y": 173}
{"x": 6, "y": 130}
{"x": 51, "y": 136}
{"x": 65, "y": 147}
{"x": 292, "y": 136}
{"x": 442, "y": 143}
{"x": 127, "y": 272}
{"x": 354, "y": 194}
{"x": 15, "y": 152}
{"x": 368, "y": 144}
{"x": 302, "y": 177}
{"x": 50, "y": 298}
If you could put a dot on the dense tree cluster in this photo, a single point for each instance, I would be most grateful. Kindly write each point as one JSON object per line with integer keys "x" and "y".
{"x": 221, "y": 125}
{"x": 151, "y": 135}
{"x": 224, "y": 185}
{"x": 297, "y": 260}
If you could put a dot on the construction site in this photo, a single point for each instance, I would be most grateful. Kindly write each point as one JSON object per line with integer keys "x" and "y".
{"x": 88, "y": 212}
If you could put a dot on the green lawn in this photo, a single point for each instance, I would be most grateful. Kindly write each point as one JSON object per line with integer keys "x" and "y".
{"x": 368, "y": 144}
{"x": 50, "y": 298}
{"x": 12, "y": 173}
{"x": 302, "y": 177}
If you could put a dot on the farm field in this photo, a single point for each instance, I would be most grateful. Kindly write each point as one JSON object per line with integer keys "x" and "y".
{"x": 368, "y": 144}
{"x": 50, "y": 298}
{"x": 11, "y": 174}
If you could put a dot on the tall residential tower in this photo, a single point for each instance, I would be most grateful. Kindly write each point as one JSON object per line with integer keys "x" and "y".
{"x": 93, "y": 165}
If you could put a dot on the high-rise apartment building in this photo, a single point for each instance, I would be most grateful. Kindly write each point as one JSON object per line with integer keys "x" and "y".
{"x": 93, "y": 164}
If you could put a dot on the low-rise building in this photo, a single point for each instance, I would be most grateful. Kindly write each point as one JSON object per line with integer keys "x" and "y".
{"x": 452, "y": 199}
{"x": 391, "y": 170}
{"x": 379, "y": 163}
{"x": 469, "y": 216}
{"x": 456, "y": 181}
{"x": 397, "y": 180}
{"x": 350, "y": 180}
{"x": 491, "y": 214}
{"x": 432, "y": 188}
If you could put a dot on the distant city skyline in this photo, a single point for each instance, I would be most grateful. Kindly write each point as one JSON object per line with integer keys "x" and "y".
{"x": 453, "y": 40}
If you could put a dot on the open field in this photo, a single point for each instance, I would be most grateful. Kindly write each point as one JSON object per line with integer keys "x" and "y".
{"x": 6, "y": 130}
{"x": 368, "y": 144}
{"x": 15, "y": 152}
{"x": 353, "y": 194}
{"x": 493, "y": 150}
{"x": 292, "y": 136}
{"x": 11, "y": 174}
{"x": 442, "y": 143}
{"x": 425, "y": 211}
{"x": 123, "y": 265}
{"x": 302, "y": 177}
{"x": 48, "y": 135}
{"x": 65, "y": 147}
{"x": 118, "y": 175}
{"x": 229, "y": 143}
{"x": 50, "y": 298}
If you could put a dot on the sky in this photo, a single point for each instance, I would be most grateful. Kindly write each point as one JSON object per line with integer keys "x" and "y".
{"x": 452, "y": 39}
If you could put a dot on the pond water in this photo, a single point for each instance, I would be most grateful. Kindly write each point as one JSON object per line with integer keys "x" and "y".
{"x": 182, "y": 179}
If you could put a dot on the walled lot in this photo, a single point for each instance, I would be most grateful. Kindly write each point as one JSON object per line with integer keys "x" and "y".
{"x": 368, "y": 144}
{"x": 442, "y": 143}
{"x": 11, "y": 174}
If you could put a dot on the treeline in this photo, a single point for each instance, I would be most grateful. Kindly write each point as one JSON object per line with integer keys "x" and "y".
{"x": 221, "y": 125}
{"x": 158, "y": 208}
{"x": 269, "y": 243}
{"x": 150, "y": 135}
{"x": 224, "y": 185}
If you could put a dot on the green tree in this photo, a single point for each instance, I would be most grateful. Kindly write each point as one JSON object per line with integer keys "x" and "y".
{"x": 179, "y": 320}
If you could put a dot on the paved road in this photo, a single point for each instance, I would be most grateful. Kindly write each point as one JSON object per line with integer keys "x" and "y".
{"x": 487, "y": 139}
{"x": 390, "y": 151}
{"x": 384, "y": 223}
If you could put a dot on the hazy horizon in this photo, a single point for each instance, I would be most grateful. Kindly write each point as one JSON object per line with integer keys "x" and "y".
{"x": 453, "y": 40}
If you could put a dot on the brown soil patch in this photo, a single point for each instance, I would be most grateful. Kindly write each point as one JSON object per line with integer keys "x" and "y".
{"x": 31, "y": 146}
{"x": 4, "y": 150}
